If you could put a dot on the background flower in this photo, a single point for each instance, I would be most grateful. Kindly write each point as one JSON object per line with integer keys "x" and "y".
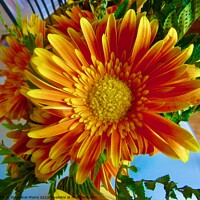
{"x": 16, "y": 58}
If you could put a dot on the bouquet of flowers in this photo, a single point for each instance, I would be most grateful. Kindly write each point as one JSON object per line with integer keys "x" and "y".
{"x": 107, "y": 81}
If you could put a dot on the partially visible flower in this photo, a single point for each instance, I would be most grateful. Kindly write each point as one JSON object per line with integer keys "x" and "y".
{"x": 111, "y": 83}
{"x": 16, "y": 58}
{"x": 72, "y": 20}
{"x": 33, "y": 26}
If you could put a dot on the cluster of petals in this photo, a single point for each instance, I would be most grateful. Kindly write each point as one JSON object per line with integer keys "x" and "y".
{"x": 16, "y": 58}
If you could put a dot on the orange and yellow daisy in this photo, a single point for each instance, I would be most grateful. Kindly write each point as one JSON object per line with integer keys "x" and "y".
{"x": 110, "y": 84}
{"x": 71, "y": 19}
{"x": 16, "y": 58}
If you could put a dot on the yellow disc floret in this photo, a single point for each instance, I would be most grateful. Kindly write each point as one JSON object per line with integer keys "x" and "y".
{"x": 110, "y": 99}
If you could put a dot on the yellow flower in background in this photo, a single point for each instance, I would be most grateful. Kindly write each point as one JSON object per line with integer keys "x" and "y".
{"x": 16, "y": 58}
{"x": 34, "y": 25}
{"x": 59, "y": 194}
{"x": 110, "y": 84}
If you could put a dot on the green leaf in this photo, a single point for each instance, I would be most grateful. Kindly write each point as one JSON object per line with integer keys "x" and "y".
{"x": 139, "y": 190}
{"x": 4, "y": 22}
{"x": 187, "y": 40}
{"x": 13, "y": 159}
{"x": 69, "y": 185}
{"x": 7, "y": 186}
{"x": 133, "y": 168}
{"x": 19, "y": 126}
{"x": 6, "y": 151}
{"x": 169, "y": 189}
{"x": 196, "y": 52}
{"x": 29, "y": 42}
{"x": 102, "y": 159}
{"x": 187, "y": 192}
{"x": 170, "y": 21}
{"x": 173, "y": 195}
{"x": 150, "y": 185}
{"x": 185, "y": 19}
{"x": 163, "y": 180}
{"x": 122, "y": 192}
{"x": 196, "y": 9}
{"x": 122, "y": 8}
{"x": 19, "y": 15}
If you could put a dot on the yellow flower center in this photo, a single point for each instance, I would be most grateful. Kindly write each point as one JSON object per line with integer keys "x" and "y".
{"x": 110, "y": 99}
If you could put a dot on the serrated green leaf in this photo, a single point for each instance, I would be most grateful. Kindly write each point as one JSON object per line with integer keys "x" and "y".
{"x": 187, "y": 192}
{"x": 59, "y": 173}
{"x": 173, "y": 195}
{"x": 12, "y": 160}
{"x": 196, "y": 9}
{"x": 163, "y": 180}
{"x": 139, "y": 190}
{"x": 150, "y": 185}
{"x": 6, "y": 151}
{"x": 122, "y": 192}
{"x": 185, "y": 19}
{"x": 170, "y": 21}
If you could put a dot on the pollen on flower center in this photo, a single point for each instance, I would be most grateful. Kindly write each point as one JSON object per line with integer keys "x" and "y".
{"x": 110, "y": 99}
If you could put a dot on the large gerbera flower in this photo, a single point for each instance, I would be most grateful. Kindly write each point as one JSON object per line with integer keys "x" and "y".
{"x": 111, "y": 83}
